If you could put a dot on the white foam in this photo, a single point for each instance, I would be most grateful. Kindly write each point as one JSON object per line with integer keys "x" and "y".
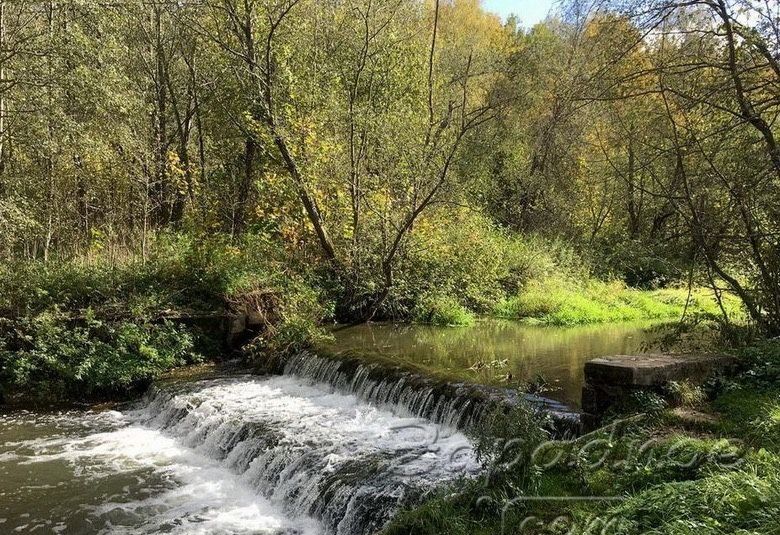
{"x": 251, "y": 455}
{"x": 199, "y": 495}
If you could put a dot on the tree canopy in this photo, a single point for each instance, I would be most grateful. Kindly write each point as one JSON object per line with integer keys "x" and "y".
{"x": 642, "y": 132}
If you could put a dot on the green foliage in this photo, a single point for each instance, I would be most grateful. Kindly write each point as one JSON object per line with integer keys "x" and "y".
{"x": 559, "y": 301}
{"x": 505, "y": 443}
{"x": 442, "y": 310}
{"x": 639, "y": 264}
{"x": 762, "y": 360}
{"x": 448, "y": 512}
{"x": 686, "y": 394}
{"x": 70, "y": 330}
{"x": 52, "y": 356}
{"x": 752, "y": 414}
{"x": 465, "y": 257}
{"x": 740, "y": 501}
{"x": 475, "y": 266}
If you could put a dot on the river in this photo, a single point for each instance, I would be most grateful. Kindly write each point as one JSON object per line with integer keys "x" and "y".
{"x": 500, "y": 352}
{"x": 248, "y": 455}
{"x": 320, "y": 449}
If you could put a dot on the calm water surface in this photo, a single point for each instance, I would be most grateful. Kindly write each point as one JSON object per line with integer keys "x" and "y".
{"x": 500, "y": 352}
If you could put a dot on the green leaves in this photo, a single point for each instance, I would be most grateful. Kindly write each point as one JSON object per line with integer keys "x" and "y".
{"x": 52, "y": 356}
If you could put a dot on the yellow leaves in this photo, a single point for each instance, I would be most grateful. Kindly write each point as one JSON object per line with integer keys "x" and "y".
{"x": 176, "y": 173}
{"x": 232, "y": 251}
{"x": 97, "y": 240}
{"x": 256, "y": 127}
{"x": 464, "y": 23}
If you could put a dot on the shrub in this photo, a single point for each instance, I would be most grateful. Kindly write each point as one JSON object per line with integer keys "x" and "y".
{"x": 52, "y": 356}
{"x": 104, "y": 328}
{"x": 466, "y": 257}
{"x": 442, "y": 310}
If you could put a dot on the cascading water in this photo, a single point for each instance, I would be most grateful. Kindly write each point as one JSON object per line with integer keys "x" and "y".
{"x": 323, "y": 445}
{"x": 313, "y": 451}
{"x": 456, "y": 405}
{"x": 245, "y": 454}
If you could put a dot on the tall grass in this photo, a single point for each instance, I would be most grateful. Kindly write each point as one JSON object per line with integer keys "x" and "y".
{"x": 559, "y": 301}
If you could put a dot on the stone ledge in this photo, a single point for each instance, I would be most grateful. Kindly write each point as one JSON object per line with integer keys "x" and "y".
{"x": 610, "y": 381}
{"x": 654, "y": 370}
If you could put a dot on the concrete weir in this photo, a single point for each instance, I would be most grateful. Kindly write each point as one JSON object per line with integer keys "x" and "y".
{"x": 387, "y": 384}
{"x": 611, "y": 380}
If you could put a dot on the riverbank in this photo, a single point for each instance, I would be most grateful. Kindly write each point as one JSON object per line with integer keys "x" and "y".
{"x": 99, "y": 328}
{"x": 103, "y": 330}
{"x": 705, "y": 460}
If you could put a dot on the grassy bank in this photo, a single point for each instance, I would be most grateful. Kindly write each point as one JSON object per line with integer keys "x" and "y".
{"x": 561, "y": 302}
{"x": 703, "y": 460}
{"x": 105, "y": 328}
{"x": 456, "y": 272}
{"x": 566, "y": 302}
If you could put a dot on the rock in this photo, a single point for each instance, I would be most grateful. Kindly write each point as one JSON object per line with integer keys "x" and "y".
{"x": 654, "y": 370}
{"x": 237, "y": 324}
{"x": 611, "y": 380}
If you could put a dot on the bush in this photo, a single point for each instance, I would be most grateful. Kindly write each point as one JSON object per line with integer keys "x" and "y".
{"x": 762, "y": 361}
{"x": 51, "y": 356}
{"x": 442, "y": 310}
{"x": 471, "y": 261}
{"x": 638, "y": 264}
{"x": 101, "y": 328}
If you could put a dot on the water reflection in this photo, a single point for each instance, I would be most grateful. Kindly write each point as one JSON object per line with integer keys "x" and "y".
{"x": 499, "y": 352}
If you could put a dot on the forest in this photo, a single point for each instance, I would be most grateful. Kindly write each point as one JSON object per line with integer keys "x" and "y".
{"x": 299, "y": 164}
{"x": 366, "y": 140}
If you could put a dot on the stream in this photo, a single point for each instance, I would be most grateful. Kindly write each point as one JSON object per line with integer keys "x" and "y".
{"x": 243, "y": 454}
{"x": 325, "y": 447}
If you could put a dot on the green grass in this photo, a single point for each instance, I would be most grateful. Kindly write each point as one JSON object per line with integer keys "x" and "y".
{"x": 443, "y": 311}
{"x": 743, "y": 501}
{"x": 557, "y": 301}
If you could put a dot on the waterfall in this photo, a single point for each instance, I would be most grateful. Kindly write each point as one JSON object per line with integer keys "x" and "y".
{"x": 456, "y": 405}
{"x": 311, "y": 450}
{"x": 322, "y": 445}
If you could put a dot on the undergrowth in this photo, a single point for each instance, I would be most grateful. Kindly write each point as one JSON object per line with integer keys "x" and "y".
{"x": 106, "y": 328}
